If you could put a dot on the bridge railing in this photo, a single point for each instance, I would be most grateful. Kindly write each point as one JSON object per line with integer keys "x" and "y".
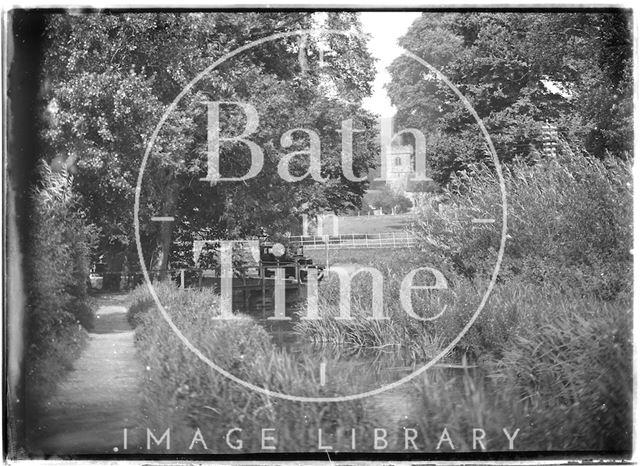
{"x": 263, "y": 272}
{"x": 403, "y": 239}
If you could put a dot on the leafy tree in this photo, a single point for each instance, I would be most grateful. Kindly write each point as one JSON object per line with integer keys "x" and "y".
{"x": 108, "y": 78}
{"x": 519, "y": 71}
{"x": 388, "y": 200}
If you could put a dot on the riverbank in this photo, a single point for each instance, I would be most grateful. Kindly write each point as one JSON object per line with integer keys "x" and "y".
{"x": 184, "y": 392}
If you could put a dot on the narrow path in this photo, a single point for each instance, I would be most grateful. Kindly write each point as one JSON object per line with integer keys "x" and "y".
{"x": 100, "y": 396}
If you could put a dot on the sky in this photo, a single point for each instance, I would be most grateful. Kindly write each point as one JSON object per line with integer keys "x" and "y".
{"x": 385, "y": 27}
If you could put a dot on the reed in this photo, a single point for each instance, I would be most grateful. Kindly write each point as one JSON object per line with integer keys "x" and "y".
{"x": 181, "y": 391}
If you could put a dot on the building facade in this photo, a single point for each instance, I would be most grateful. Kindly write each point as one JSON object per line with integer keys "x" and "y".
{"x": 399, "y": 167}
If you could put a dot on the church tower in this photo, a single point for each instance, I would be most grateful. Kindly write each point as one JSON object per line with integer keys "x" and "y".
{"x": 399, "y": 167}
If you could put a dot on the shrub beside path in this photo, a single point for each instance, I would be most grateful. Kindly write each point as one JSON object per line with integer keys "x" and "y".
{"x": 101, "y": 395}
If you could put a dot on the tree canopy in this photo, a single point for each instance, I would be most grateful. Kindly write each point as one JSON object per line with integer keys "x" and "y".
{"x": 520, "y": 71}
{"x": 108, "y": 78}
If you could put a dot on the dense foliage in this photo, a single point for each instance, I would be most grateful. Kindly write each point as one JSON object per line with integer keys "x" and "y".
{"x": 57, "y": 270}
{"x": 569, "y": 223}
{"x": 386, "y": 200}
{"x": 520, "y": 71}
{"x": 555, "y": 333}
{"x": 109, "y": 77}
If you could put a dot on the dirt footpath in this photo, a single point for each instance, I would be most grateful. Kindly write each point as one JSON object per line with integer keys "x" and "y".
{"x": 100, "y": 397}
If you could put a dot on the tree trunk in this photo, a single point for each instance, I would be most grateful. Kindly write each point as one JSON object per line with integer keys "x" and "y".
{"x": 166, "y": 230}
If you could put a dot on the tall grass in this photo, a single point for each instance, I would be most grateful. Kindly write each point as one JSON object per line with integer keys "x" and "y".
{"x": 399, "y": 329}
{"x": 569, "y": 223}
{"x": 574, "y": 376}
{"x": 560, "y": 370}
{"x": 461, "y": 402}
{"x": 553, "y": 373}
{"x": 182, "y": 392}
{"x": 555, "y": 331}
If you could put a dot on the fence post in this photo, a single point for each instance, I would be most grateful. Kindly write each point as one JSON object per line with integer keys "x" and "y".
{"x": 182, "y": 278}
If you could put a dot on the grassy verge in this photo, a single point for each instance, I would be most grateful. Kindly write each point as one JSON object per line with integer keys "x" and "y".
{"x": 370, "y": 224}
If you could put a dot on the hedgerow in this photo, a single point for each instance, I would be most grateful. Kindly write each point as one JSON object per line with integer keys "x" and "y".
{"x": 57, "y": 268}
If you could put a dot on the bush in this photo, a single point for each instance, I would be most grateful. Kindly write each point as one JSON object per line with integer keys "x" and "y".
{"x": 57, "y": 270}
{"x": 388, "y": 200}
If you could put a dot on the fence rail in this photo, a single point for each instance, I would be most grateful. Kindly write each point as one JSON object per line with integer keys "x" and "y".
{"x": 404, "y": 239}
{"x": 264, "y": 272}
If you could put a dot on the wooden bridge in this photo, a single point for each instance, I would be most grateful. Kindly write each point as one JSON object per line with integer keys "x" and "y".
{"x": 400, "y": 239}
{"x": 253, "y": 287}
